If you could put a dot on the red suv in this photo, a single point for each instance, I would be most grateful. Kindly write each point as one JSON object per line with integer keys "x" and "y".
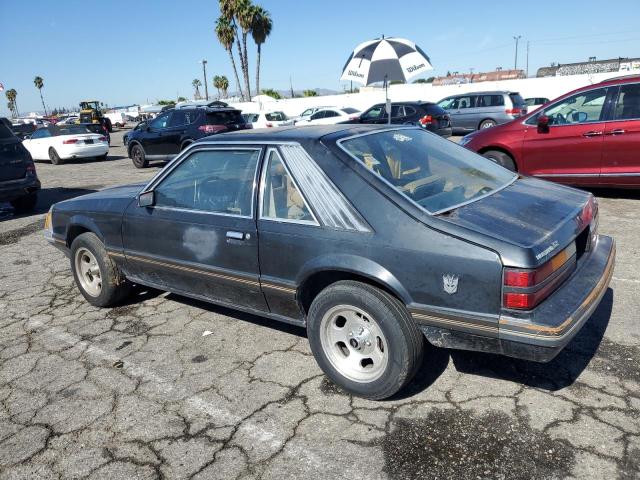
{"x": 589, "y": 137}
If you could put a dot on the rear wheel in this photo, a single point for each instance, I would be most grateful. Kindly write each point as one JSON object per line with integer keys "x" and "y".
{"x": 25, "y": 204}
{"x": 138, "y": 156}
{"x": 97, "y": 276}
{"x": 102, "y": 157}
{"x": 54, "y": 157}
{"x": 487, "y": 124}
{"x": 364, "y": 339}
{"x": 501, "y": 158}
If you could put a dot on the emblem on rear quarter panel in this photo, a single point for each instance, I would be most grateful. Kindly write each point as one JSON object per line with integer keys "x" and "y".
{"x": 450, "y": 283}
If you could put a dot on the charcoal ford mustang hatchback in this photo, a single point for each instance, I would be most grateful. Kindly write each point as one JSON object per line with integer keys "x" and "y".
{"x": 370, "y": 237}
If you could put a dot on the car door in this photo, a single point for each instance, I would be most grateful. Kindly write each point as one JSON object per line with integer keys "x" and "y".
{"x": 375, "y": 114}
{"x": 330, "y": 117}
{"x": 153, "y": 139}
{"x": 570, "y": 149}
{"x": 620, "y": 158}
{"x": 173, "y": 134}
{"x": 317, "y": 117}
{"x": 466, "y": 112}
{"x": 198, "y": 236}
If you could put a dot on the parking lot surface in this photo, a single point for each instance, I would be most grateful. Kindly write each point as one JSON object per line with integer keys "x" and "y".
{"x": 166, "y": 387}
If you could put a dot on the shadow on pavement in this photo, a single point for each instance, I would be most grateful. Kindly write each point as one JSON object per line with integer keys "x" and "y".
{"x": 559, "y": 373}
{"x": 46, "y": 198}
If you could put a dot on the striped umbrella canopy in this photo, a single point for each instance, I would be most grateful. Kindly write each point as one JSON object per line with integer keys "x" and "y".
{"x": 385, "y": 60}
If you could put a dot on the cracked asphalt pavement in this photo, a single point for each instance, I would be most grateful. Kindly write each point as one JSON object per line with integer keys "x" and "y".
{"x": 166, "y": 387}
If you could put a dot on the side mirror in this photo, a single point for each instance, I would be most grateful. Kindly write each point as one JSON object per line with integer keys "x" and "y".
{"x": 543, "y": 124}
{"x": 579, "y": 117}
{"x": 146, "y": 199}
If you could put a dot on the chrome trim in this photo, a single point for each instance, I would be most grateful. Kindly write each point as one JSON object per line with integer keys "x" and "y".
{"x": 587, "y": 175}
{"x": 263, "y": 177}
{"x": 156, "y": 180}
{"x": 339, "y": 143}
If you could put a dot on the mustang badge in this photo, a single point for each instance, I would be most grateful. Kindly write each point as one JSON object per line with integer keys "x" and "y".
{"x": 450, "y": 283}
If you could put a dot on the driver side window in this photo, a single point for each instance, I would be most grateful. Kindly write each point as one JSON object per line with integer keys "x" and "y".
{"x": 373, "y": 113}
{"x": 580, "y": 108}
{"x": 161, "y": 121}
{"x": 215, "y": 181}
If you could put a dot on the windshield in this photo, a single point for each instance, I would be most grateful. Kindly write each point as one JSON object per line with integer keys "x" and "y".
{"x": 435, "y": 173}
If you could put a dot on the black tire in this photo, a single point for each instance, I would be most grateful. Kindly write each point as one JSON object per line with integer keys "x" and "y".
{"x": 25, "y": 204}
{"x": 115, "y": 287}
{"x": 107, "y": 123}
{"x": 501, "y": 158}
{"x": 487, "y": 124}
{"x": 404, "y": 342}
{"x": 138, "y": 156}
{"x": 54, "y": 157}
{"x": 103, "y": 157}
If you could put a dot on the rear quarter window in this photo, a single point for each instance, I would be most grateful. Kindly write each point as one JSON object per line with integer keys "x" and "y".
{"x": 516, "y": 99}
{"x": 225, "y": 118}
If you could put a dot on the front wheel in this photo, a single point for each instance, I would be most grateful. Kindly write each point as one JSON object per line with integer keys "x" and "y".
{"x": 487, "y": 124}
{"x": 501, "y": 158}
{"x": 364, "y": 339}
{"x": 138, "y": 156}
{"x": 97, "y": 276}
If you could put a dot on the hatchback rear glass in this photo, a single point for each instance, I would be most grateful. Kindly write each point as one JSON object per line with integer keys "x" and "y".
{"x": 5, "y": 132}
{"x": 434, "y": 173}
{"x": 517, "y": 100}
{"x": 275, "y": 116}
{"x": 350, "y": 110}
{"x": 225, "y": 118}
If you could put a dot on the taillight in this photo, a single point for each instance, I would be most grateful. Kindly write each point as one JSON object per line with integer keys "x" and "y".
{"x": 269, "y": 125}
{"x": 70, "y": 141}
{"x": 526, "y": 288}
{"x": 513, "y": 111}
{"x": 102, "y": 138}
{"x": 211, "y": 128}
{"x": 31, "y": 168}
{"x": 426, "y": 120}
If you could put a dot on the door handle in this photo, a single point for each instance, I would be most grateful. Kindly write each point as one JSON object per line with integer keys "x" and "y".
{"x": 236, "y": 235}
{"x": 592, "y": 133}
{"x": 618, "y": 131}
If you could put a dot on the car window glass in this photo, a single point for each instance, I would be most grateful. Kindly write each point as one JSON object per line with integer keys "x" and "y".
{"x": 275, "y": 116}
{"x": 447, "y": 103}
{"x": 628, "y": 106}
{"x": 160, "y": 122}
{"x": 373, "y": 113}
{"x": 580, "y": 108}
{"x": 397, "y": 111}
{"x": 318, "y": 115}
{"x": 41, "y": 133}
{"x": 217, "y": 181}
{"x": 331, "y": 113}
{"x": 227, "y": 117}
{"x": 281, "y": 197}
{"x": 408, "y": 111}
{"x": 178, "y": 118}
{"x": 490, "y": 100}
{"x": 433, "y": 172}
{"x": 307, "y": 112}
{"x": 350, "y": 111}
{"x": 464, "y": 102}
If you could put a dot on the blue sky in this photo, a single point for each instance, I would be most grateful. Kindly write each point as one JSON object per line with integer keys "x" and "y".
{"x": 124, "y": 52}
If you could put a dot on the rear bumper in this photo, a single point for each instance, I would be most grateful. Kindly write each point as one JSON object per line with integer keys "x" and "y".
{"x": 13, "y": 189}
{"x": 92, "y": 150}
{"x": 552, "y": 325}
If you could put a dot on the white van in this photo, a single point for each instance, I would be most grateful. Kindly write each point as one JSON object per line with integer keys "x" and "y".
{"x": 117, "y": 119}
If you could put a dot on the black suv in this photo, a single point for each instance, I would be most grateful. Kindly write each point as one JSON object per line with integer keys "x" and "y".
{"x": 173, "y": 130}
{"x": 19, "y": 183}
{"x": 424, "y": 114}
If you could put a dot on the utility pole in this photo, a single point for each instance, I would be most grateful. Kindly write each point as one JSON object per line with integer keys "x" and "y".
{"x": 291, "y": 86}
{"x": 515, "y": 63}
{"x": 527, "y": 58}
{"x": 206, "y": 85}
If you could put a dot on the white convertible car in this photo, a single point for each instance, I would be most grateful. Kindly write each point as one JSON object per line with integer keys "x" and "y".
{"x": 65, "y": 142}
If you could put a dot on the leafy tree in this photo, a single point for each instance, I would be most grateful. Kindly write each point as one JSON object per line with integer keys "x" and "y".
{"x": 13, "y": 104}
{"x": 39, "y": 83}
{"x": 226, "y": 33}
{"x": 182, "y": 99}
{"x": 224, "y": 85}
{"x": 272, "y": 93}
{"x": 196, "y": 84}
{"x": 166, "y": 102}
{"x": 262, "y": 25}
{"x": 310, "y": 93}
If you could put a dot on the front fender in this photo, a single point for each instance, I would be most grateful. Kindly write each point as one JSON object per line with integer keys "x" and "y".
{"x": 356, "y": 265}
{"x": 84, "y": 222}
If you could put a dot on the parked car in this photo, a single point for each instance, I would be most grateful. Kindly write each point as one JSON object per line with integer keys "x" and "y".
{"x": 140, "y": 126}
{"x": 479, "y": 110}
{"x": 60, "y": 143}
{"x": 330, "y": 116}
{"x": 163, "y": 137}
{"x": 534, "y": 103}
{"x": 20, "y": 130}
{"x": 304, "y": 116}
{"x": 97, "y": 128}
{"x": 371, "y": 237}
{"x": 68, "y": 120}
{"x": 588, "y": 137}
{"x": 19, "y": 182}
{"x": 267, "y": 119}
{"x": 424, "y": 114}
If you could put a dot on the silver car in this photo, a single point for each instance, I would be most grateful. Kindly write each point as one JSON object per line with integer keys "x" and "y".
{"x": 477, "y": 110}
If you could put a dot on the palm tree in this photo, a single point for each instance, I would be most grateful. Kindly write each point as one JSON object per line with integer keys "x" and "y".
{"x": 309, "y": 93}
{"x": 11, "y": 96}
{"x": 39, "y": 83}
{"x": 245, "y": 13}
{"x": 261, "y": 29}
{"x": 216, "y": 84}
{"x": 197, "y": 84}
{"x": 225, "y": 31}
{"x": 224, "y": 85}
{"x": 229, "y": 10}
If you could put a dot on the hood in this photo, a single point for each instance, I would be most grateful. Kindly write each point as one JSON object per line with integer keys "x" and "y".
{"x": 535, "y": 215}
{"x": 114, "y": 199}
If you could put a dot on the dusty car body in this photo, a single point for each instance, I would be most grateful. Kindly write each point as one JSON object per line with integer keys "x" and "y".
{"x": 384, "y": 235}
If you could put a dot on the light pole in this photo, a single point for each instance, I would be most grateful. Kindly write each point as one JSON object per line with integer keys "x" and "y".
{"x": 515, "y": 63}
{"x": 206, "y": 86}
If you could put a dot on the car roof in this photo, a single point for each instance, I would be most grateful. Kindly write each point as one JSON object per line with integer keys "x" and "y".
{"x": 483, "y": 92}
{"x": 304, "y": 133}
{"x": 620, "y": 80}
